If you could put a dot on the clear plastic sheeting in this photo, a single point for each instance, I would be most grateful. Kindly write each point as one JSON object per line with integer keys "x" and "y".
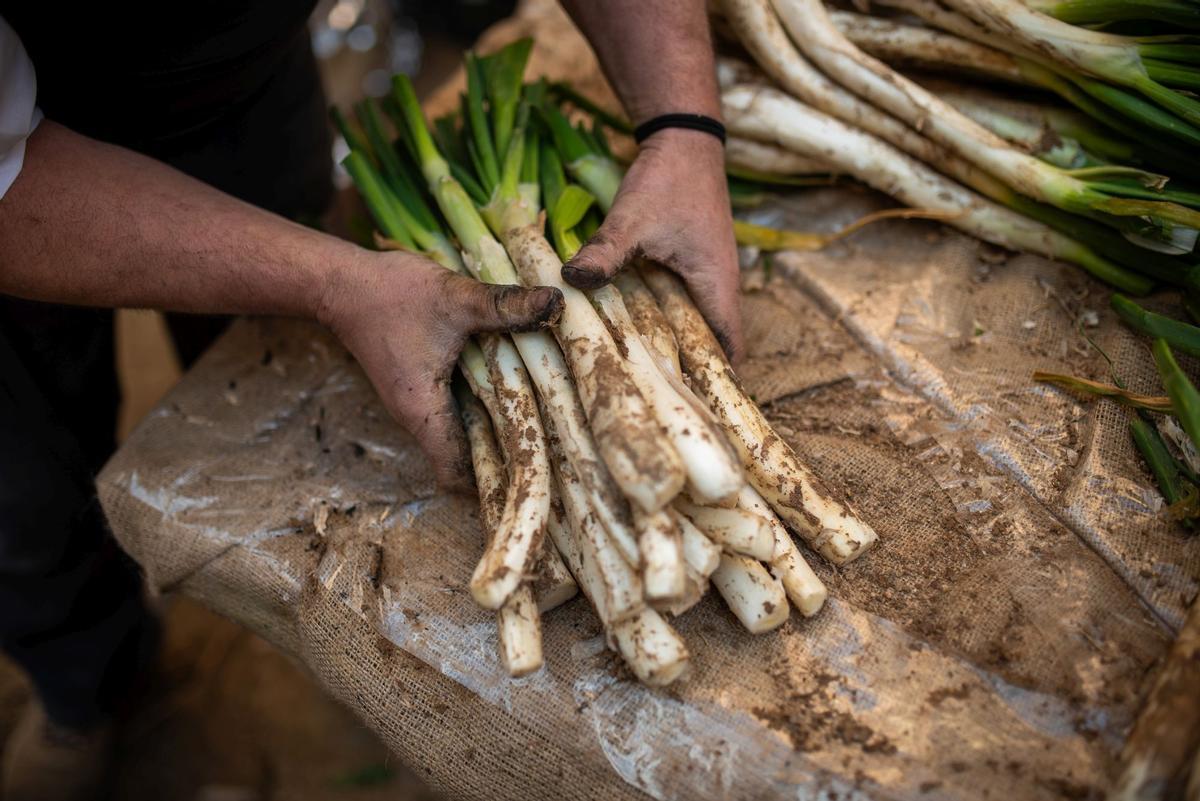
{"x": 995, "y": 643}
{"x": 998, "y": 636}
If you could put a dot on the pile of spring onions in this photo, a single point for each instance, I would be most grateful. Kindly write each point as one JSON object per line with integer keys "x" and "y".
{"x": 615, "y": 453}
{"x": 1066, "y": 129}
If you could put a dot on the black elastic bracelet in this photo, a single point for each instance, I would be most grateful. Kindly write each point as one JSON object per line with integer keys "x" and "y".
{"x": 692, "y": 122}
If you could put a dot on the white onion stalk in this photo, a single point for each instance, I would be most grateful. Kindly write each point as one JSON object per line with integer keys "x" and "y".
{"x": 653, "y": 650}
{"x": 732, "y": 71}
{"x": 810, "y": 26}
{"x": 553, "y": 584}
{"x": 770, "y": 114}
{"x": 1039, "y": 127}
{"x": 946, "y": 18}
{"x": 713, "y": 472}
{"x": 474, "y": 367}
{"x": 648, "y": 324}
{"x": 831, "y": 528}
{"x": 642, "y": 460}
{"x": 803, "y": 587}
{"x": 518, "y": 484}
{"x": 704, "y": 481}
{"x": 621, "y": 585}
{"x": 650, "y": 647}
{"x": 733, "y": 529}
{"x": 925, "y": 48}
{"x": 560, "y": 403}
{"x": 1111, "y": 57}
{"x": 1019, "y": 123}
{"x": 950, "y": 52}
{"x": 518, "y": 530}
{"x": 695, "y": 587}
{"x": 648, "y": 319}
{"x": 663, "y": 566}
{"x": 548, "y": 369}
{"x": 711, "y": 466}
{"x": 752, "y": 594}
{"x": 759, "y": 30}
{"x": 700, "y": 553}
{"x": 914, "y": 181}
{"x": 518, "y": 622}
{"x": 748, "y": 154}
{"x": 509, "y": 555}
{"x": 562, "y": 407}
{"x": 520, "y": 633}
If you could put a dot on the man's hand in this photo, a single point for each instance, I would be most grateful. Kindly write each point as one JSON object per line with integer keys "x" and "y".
{"x": 673, "y": 208}
{"x": 139, "y": 234}
{"x": 406, "y": 319}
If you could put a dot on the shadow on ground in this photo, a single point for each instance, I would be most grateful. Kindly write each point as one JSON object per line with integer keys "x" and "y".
{"x": 230, "y": 718}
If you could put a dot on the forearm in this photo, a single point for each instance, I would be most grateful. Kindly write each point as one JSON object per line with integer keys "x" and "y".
{"x": 673, "y": 205}
{"x": 656, "y": 53}
{"x": 92, "y": 224}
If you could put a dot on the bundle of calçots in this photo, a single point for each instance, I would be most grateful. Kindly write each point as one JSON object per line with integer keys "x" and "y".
{"x": 621, "y": 433}
{"x": 1091, "y": 165}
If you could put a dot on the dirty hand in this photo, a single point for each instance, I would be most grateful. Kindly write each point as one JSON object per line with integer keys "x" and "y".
{"x": 406, "y": 319}
{"x": 673, "y": 208}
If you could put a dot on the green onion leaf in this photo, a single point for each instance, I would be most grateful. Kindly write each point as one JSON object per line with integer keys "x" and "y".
{"x": 1185, "y": 400}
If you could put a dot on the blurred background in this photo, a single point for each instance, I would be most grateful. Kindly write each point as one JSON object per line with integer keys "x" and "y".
{"x": 229, "y": 718}
{"x": 361, "y": 43}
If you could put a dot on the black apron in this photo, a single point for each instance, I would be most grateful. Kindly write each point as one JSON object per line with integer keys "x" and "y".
{"x": 226, "y": 91}
{"x": 229, "y": 93}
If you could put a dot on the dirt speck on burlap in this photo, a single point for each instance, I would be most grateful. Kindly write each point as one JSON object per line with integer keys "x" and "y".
{"x": 811, "y": 715}
{"x": 951, "y": 549}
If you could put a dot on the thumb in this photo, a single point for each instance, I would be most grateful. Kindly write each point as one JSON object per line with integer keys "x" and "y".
{"x": 608, "y": 250}
{"x": 481, "y": 307}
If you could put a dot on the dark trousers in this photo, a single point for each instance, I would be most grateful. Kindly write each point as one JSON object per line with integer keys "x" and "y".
{"x": 72, "y": 613}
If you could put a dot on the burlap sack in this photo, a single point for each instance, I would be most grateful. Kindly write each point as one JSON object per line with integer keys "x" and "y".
{"x": 994, "y": 644}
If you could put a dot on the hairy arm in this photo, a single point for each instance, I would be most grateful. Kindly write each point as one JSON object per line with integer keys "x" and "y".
{"x": 91, "y": 224}
{"x": 673, "y": 206}
{"x": 657, "y": 54}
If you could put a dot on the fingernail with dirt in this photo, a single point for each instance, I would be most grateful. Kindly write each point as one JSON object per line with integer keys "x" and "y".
{"x": 583, "y": 277}
{"x": 537, "y": 308}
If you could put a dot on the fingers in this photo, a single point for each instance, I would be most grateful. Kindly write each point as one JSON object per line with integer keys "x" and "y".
{"x": 480, "y": 307}
{"x": 461, "y": 307}
{"x": 718, "y": 296}
{"x": 428, "y": 412}
{"x": 713, "y": 280}
{"x": 612, "y": 247}
{"x": 454, "y": 307}
{"x": 707, "y": 262}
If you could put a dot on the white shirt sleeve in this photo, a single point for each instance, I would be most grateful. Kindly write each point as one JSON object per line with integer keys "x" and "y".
{"x": 19, "y": 115}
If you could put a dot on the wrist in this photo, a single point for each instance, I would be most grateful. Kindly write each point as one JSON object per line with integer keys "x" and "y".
{"x": 341, "y": 282}
{"x": 701, "y": 123}
{"x": 685, "y": 142}
{"x": 697, "y": 94}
